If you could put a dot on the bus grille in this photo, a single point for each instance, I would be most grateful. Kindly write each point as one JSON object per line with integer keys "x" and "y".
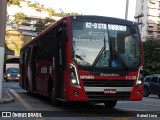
{"x": 108, "y": 83}
{"x": 100, "y": 96}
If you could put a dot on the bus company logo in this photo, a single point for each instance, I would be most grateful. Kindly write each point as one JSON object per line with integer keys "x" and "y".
{"x": 21, "y": 114}
{"x": 112, "y": 74}
{"x": 6, "y": 114}
{"x": 87, "y": 77}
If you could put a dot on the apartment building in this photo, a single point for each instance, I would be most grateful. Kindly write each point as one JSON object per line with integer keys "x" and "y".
{"x": 27, "y": 28}
{"x": 148, "y": 16}
{"x": 33, "y": 15}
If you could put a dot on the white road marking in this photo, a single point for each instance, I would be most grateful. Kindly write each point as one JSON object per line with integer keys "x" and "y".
{"x": 25, "y": 104}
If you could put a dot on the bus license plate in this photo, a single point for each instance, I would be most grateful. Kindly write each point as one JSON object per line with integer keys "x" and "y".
{"x": 110, "y": 91}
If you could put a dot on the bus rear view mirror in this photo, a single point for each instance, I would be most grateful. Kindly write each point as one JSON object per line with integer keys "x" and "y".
{"x": 65, "y": 31}
{"x": 63, "y": 34}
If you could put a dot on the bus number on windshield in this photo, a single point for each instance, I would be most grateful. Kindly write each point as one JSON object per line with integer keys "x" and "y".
{"x": 96, "y": 25}
{"x": 104, "y": 26}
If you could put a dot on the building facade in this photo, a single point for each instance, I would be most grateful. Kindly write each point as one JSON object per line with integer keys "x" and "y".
{"x": 20, "y": 33}
{"x": 148, "y": 16}
{"x": 34, "y": 14}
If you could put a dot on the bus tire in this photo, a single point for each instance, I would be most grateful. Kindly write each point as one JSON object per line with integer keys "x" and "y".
{"x": 110, "y": 103}
{"x": 159, "y": 95}
{"x": 27, "y": 87}
{"x": 53, "y": 98}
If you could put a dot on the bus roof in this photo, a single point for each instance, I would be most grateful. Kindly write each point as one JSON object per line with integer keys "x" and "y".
{"x": 103, "y": 19}
{"x": 86, "y": 18}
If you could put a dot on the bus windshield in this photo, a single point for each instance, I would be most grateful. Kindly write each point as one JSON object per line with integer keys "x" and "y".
{"x": 105, "y": 45}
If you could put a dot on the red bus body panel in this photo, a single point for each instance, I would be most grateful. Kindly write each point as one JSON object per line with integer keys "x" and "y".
{"x": 45, "y": 69}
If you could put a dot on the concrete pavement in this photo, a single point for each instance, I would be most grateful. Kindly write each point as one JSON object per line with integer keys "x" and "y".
{"x": 6, "y": 96}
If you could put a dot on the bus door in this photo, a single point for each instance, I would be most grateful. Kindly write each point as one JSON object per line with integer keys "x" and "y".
{"x": 33, "y": 67}
{"x": 23, "y": 68}
{"x": 61, "y": 63}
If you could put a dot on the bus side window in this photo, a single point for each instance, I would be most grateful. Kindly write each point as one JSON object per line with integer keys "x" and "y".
{"x": 27, "y": 55}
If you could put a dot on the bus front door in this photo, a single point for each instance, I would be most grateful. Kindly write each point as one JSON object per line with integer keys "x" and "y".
{"x": 33, "y": 67}
{"x": 61, "y": 65}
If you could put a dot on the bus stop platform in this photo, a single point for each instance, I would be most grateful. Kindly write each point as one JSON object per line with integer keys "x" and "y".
{"x": 6, "y": 97}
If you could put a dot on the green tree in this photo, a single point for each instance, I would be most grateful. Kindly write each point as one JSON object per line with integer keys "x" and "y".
{"x": 63, "y": 14}
{"x": 43, "y": 24}
{"x": 14, "y": 40}
{"x": 51, "y": 12}
{"x": 40, "y": 26}
{"x": 151, "y": 56}
{"x": 20, "y": 17}
{"x": 15, "y": 2}
{"x": 73, "y": 13}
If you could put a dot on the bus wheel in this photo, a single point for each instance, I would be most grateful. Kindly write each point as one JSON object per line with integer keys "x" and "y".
{"x": 159, "y": 95}
{"x": 110, "y": 103}
{"x": 53, "y": 98}
{"x": 27, "y": 87}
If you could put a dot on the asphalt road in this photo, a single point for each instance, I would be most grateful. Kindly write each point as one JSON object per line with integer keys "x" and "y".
{"x": 147, "y": 109}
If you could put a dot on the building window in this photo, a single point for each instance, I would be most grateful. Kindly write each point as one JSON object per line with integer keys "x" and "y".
{"x": 38, "y": 10}
{"x": 152, "y": 1}
{"x": 151, "y": 4}
{"x": 142, "y": 7}
{"x": 150, "y": 26}
{"x": 150, "y": 32}
{"x": 158, "y": 26}
{"x": 142, "y": 1}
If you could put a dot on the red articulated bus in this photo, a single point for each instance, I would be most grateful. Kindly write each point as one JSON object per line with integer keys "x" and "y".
{"x": 85, "y": 58}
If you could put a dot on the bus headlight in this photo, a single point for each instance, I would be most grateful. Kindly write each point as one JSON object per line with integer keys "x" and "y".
{"x": 18, "y": 75}
{"x": 73, "y": 75}
{"x": 73, "y": 81}
{"x": 139, "y": 81}
{"x": 8, "y": 75}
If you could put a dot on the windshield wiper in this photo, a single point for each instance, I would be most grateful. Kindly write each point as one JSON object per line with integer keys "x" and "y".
{"x": 80, "y": 58}
{"x": 103, "y": 49}
{"x": 113, "y": 51}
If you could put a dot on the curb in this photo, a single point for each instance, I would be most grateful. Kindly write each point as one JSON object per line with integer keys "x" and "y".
{"x": 7, "y": 100}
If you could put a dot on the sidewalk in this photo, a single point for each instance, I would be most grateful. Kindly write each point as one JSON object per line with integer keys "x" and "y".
{"x": 6, "y": 97}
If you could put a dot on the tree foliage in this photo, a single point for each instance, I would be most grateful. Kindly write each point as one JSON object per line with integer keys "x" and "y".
{"x": 36, "y": 5}
{"x": 15, "y": 40}
{"x": 40, "y": 25}
{"x": 51, "y": 11}
{"x": 43, "y": 24}
{"x": 15, "y": 2}
{"x": 152, "y": 56}
{"x": 19, "y": 17}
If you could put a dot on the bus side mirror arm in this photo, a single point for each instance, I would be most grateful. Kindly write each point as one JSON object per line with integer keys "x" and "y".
{"x": 63, "y": 32}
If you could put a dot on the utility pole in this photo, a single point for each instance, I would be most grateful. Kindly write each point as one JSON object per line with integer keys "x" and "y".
{"x": 138, "y": 17}
{"x": 3, "y": 18}
{"x": 126, "y": 13}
